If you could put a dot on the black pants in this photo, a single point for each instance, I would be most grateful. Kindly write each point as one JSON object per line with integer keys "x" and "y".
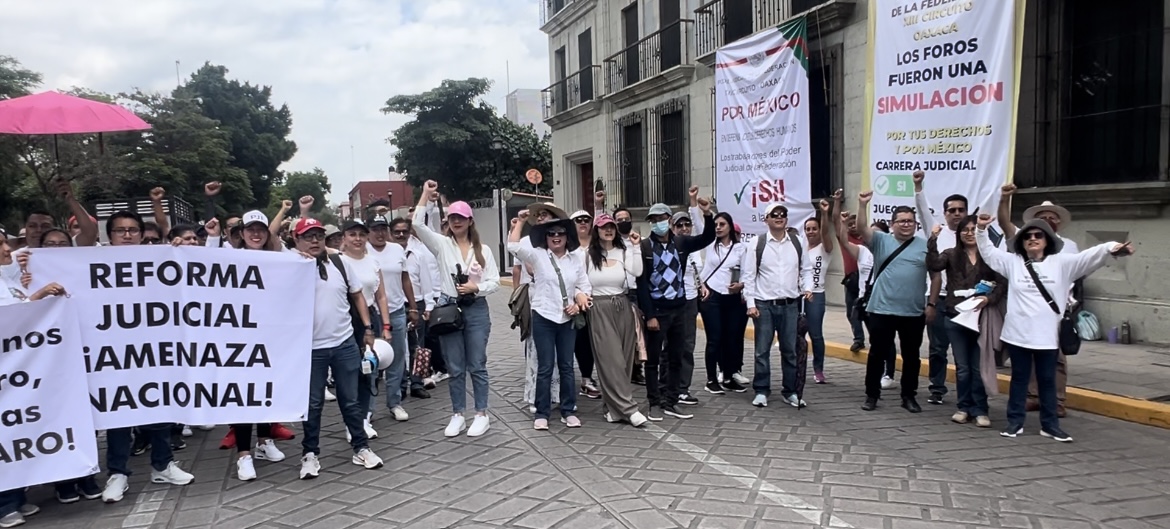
{"x": 883, "y": 329}
{"x": 725, "y": 321}
{"x": 244, "y": 435}
{"x": 664, "y": 350}
{"x": 583, "y": 350}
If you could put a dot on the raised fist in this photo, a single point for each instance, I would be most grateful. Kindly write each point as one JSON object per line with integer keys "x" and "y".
{"x": 286, "y": 205}
{"x": 65, "y": 189}
{"x": 838, "y": 195}
{"x": 984, "y": 221}
{"x": 212, "y": 188}
{"x": 825, "y": 205}
{"x": 635, "y": 238}
{"x": 1007, "y": 190}
{"x": 693, "y": 191}
{"x": 157, "y": 194}
{"x": 522, "y": 215}
{"x": 306, "y": 201}
{"x": 919, "y": 176}
{"x": 865, "y": 197}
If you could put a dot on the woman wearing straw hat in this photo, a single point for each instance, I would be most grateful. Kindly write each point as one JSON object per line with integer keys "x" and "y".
{"x": 537, "y": 213}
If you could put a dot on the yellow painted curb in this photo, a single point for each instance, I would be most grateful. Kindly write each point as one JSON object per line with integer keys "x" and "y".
{"x": 1087, "y": 400}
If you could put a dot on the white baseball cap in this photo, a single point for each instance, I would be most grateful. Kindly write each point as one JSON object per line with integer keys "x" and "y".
{"x": 253, "y": 217}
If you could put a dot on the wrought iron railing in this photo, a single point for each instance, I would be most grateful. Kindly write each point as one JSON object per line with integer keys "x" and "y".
{"x": 720, "y": 22}
{"x": 656, "y": 53}
{"x": 581, "y": 87}
{"x": 550, "y": 8}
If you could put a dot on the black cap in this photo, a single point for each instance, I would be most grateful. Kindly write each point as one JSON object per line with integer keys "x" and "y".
{"x": 355, "y": 224}
{"x": 379, "y": 220}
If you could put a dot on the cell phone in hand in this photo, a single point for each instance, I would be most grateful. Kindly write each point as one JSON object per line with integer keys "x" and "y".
{"x": 1121, "y": 252}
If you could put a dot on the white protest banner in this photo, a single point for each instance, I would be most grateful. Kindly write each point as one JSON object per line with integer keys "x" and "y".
{"x": 46, "y": 432}
{"x": 761, "y": 127}
{"x": 190, "y": 334}
{"x": 941, "y": 96}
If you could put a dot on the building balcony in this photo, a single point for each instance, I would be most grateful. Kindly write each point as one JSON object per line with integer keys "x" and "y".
{"x": 558, "y": 15}
{"x": 659, "y": 62}
{"x": 721, "y": 22}
{"x": 573, "y": 98}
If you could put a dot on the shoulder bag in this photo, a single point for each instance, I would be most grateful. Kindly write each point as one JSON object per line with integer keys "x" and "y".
{"x": 860, "y": 309}
{"x": 1070, "y": 339}
{"x": 446, "y": 318}
{"x": 579, "y": 319}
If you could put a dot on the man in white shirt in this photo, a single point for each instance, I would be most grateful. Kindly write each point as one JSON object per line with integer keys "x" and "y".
{"x": 774, "y": 281}
{"x": 334, "y": 348}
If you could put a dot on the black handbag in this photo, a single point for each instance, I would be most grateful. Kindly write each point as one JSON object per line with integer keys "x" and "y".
{"x": 1069, "y": 339}
{"x": 862, "y": 304}
{"x": 445, "y": 319}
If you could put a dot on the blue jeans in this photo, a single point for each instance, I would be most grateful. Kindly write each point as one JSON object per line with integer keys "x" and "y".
{"x": 118, "y": 441}
{"x": 11, "y": 500}
{"x": 779, "y": 322}
{"x": 940, "y": 341}
{"x": 968, "y": 379}
{"x": 465, "y": 352}
{"x": 554, "y": 346}
{"x": 345, "y": 362}
{"x": 398, "y": 374}
{"x": 1022, "y": 360}
{"x": 815, "y": 312}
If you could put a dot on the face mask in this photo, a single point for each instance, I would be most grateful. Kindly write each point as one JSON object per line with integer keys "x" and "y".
{"x": 660, "y": 228}
{"x": 625, "y": 228}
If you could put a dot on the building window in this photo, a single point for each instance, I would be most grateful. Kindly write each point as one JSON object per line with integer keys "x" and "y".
{"x": 629, "y": 161}
{"x": 1096, "y": 107}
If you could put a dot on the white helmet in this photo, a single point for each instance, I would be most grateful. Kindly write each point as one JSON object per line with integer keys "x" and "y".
{"x": 385, "y": 353}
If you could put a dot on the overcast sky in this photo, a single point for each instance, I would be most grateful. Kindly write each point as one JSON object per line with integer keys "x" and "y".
{"x": 334, "y": 62}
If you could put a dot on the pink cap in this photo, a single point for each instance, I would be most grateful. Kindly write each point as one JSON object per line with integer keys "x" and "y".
{"x": 737, "y": 228}
{"x": 460, "y": 208}
{"x": 306, "y": 224}
{"x": 603, "y": 219}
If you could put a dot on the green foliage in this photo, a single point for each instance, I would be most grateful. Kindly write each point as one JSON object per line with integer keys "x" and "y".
{"x": 311, "y": 183}
{"x": 450, "y": 140}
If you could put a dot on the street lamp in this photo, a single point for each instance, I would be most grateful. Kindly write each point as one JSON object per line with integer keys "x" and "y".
{"x": 498, "y": 143}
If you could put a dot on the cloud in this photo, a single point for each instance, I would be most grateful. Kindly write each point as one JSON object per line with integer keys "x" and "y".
{"x": 334, "y": 63}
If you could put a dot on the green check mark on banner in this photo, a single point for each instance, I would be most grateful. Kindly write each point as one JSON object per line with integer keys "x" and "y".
{"x": 881, "y": 185}
{"x": 894, "y": 185}
{"x": 742, "y": 190}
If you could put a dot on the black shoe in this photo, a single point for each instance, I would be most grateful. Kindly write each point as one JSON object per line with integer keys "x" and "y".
{"x": 935, "y": 398}
{"x": 870, "y": 404}
{"x": 638, "y": 378}
{"x": 732, "y": 385}
{"x": 714, "y": 388}
{"x": 672, "y": 411}
{"x": 141, "y": 445}
{"x": 420, "y": 393}
{"x": 89, "y": 488}
{"x": 857, "y": 346}
{"x": 68, "y": 494}
{"x": 911, "y": 405}
{"x": 178, "y": 444}
{"x": 1012, "y": 431}
{"x": 404, "y": 394}
{"x": 654, "y": 413}
{"x": 687, "y": 399}
{"x": 1056, "y": 434}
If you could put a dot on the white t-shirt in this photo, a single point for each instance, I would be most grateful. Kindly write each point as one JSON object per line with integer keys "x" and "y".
{"x": 367, "y": 272}
{"x": 819, "y": 259}
{"x": 864, "y": 266}
{"x": 392, "y": 260}
{"x": 331, "y": 321}
{"x": 11, "y": 293}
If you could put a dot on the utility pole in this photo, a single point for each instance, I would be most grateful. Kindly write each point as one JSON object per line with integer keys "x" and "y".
{"x": 178, "y": 82}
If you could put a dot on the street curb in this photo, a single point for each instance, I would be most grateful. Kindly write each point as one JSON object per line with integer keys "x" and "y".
{"x": 1098, "y": 403}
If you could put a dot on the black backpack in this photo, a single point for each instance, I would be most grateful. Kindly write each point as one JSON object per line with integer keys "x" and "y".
{"x": 359, "y": 330}
{"x": 793, "y": 237}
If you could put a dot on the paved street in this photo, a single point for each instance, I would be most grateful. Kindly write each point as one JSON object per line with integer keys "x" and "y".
{"x": 732, "y": 466}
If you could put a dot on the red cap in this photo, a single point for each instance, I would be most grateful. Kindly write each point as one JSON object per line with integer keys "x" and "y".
{"x": 306, "y": 224}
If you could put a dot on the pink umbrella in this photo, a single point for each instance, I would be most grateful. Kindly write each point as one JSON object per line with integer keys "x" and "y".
{"x": 56, "y": 113}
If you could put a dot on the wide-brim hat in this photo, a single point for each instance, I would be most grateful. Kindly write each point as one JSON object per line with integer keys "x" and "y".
{"x": 1031, "y": 212}
{"x": 1055, "y": 243}
{"x": 535, "y": 209}
{"x": 539, "y": 238}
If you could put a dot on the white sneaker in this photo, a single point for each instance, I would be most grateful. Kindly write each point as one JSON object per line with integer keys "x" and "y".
{"x": 637, "y": 419}
{"x": 740, "y": 379}
{"x": 267, "y": 451}
{"x": 479, "y": 426}
{"x": 310, "y": 466}
{"x": 532, "y": 409}
{"x": 439, "y": 377}
{"x": 888, "y": 383}
{"x": 116, "y": 486}
{"x": 329, "y": 396}
{"x": 760, "y": 401}
{"x": 245, "y": 470}
{"x": 428, "y": 383}
{"x": 187, "y": 431}
{"x": 366, "y": 458}
{"x": 455, "y": 427}
{"x": 796, "y": 402}
{"x": 12, "y": 519}
{"x": 371, "y": 433}
{"x": 399, "y": 413}
{"x": 207, "y": 427}
{"x": 172, "y": 475}
{"x": 611, "y": 418}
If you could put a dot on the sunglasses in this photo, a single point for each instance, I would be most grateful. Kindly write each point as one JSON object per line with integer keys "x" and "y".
{"x": 1037, "y": 235}
{"x": 956, "y": 210}
{"x": 400, "y": 233}
{"x": 683, "y": 224}
{"x": 778, "y": 215}
{"x": 553, "y": 234}
{"x": 151, "y": 240}
{"x": 582, "y": 220}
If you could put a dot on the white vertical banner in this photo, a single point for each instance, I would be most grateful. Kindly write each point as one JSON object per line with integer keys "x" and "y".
{"x": 191, "y": 335}
{"x": 942, "y": 91}
{"x": 761, "y": 127}
{"x": 46, "y": 431}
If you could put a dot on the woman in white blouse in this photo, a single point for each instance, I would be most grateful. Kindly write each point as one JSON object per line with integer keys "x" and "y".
{"x": 459, "y": 251}
{"x": 722, "y": 307}
{"x": 1038, "y": 277}
{"x": 368, "y": 273}
{"x": 612, "y": 323}
{"x": 819, "y": 252}
{"x": 560, "y": 293}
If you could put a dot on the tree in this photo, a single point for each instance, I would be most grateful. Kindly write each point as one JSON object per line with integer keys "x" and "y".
{"x": 15, "y": 81}
{"x": 450, "y": 141}
{"x": 258, "y": 131}
{"x": 312, "y": 183}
